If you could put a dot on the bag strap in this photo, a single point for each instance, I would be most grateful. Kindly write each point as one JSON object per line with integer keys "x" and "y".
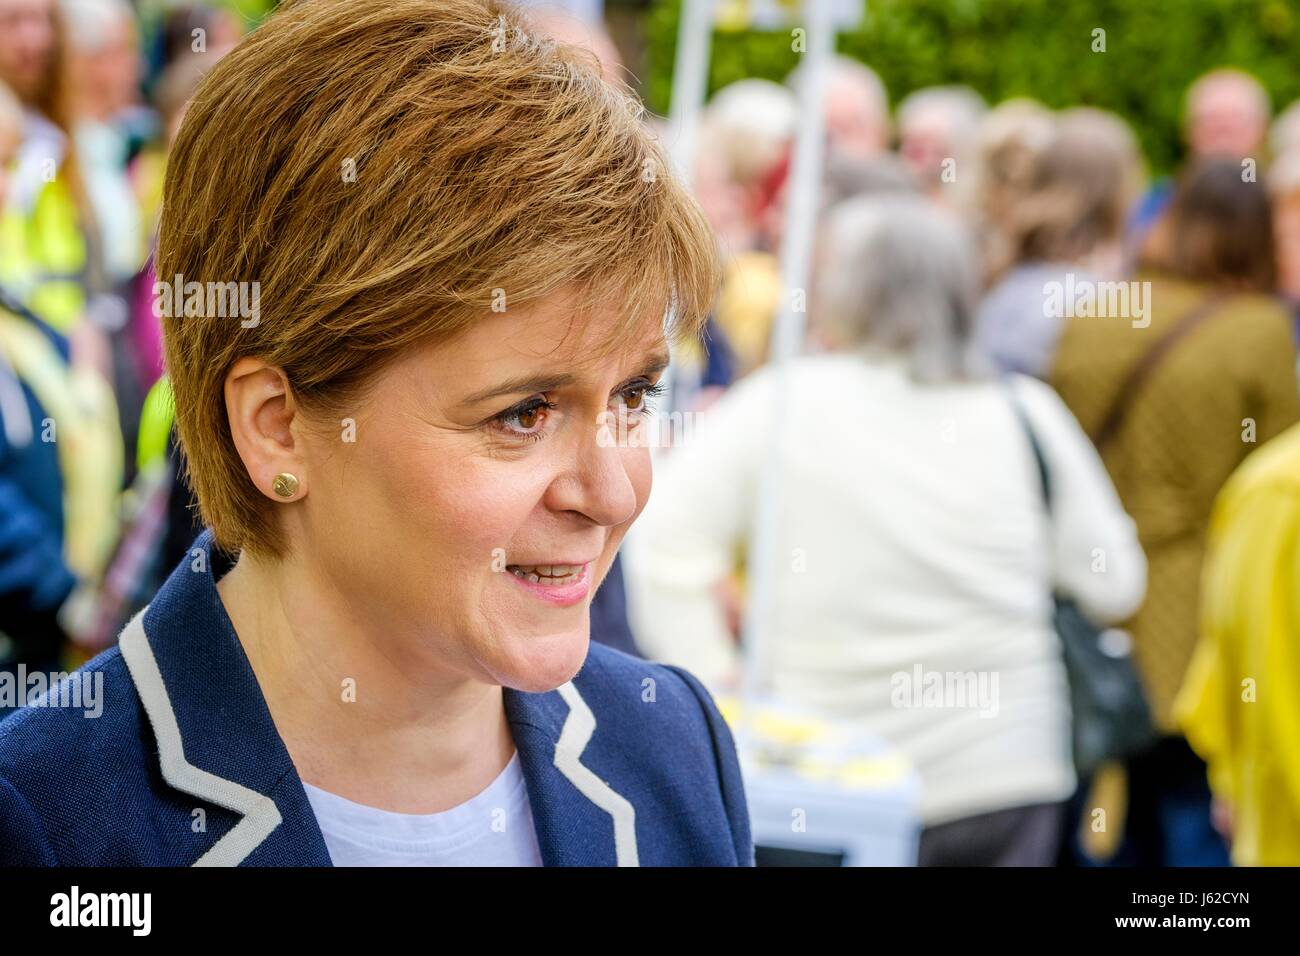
{"x": 1147, "y": 364}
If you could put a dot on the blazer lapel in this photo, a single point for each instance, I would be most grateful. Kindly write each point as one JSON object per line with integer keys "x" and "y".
{"x": 580, "y": 820}
{"x": 216, "y": 738}
{"x": 218, "y": 742}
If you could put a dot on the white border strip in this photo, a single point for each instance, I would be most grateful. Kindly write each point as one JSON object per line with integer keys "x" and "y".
{"x": 577, "y": 731}
{"x": 261, "y": 815}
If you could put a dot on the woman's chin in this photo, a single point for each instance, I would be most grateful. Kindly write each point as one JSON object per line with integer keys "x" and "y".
{"x": 545, "y": 662}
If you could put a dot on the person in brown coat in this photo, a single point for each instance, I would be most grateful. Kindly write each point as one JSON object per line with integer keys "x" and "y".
{"x": 1198, "y": 371}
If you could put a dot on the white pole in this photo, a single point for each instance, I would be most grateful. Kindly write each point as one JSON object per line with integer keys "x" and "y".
{"x": 690, "y": 86}
{"x": 690, "y": 83}
{"x": 801, "y": 207}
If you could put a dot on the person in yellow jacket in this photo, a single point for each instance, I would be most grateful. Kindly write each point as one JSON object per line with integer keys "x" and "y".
{"x": 1239, "y": 703}
{"x": 43, "y": 256}
{"x": 49, "y": 259}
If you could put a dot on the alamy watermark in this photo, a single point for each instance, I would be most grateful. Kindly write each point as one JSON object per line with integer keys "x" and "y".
{"x": 654, "y": 430}
{"x": 1088, "y": 299}
{"x": 79, "y": 690}
{"x": 75, "y": 908}
{"x": 964, "y": 690}
{"x": 209, "y": 300}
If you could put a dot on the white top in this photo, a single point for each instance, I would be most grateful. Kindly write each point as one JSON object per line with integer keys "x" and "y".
{"x": 494, "y": 828}
{"x": 42, "y": 141}
{"x": 912, "y": 534}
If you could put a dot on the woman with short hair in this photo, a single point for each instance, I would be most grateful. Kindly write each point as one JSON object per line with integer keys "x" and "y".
{"x": 414, "y": 265}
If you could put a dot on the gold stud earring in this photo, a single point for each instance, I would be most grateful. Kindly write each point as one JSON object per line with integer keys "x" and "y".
{"x": 285, "y": 485}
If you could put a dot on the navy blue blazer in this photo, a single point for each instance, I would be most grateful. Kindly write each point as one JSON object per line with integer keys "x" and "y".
{"x": 627, "y": 764}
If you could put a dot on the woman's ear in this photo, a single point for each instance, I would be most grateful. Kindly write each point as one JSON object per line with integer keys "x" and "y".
{"x": 261, "y": 410}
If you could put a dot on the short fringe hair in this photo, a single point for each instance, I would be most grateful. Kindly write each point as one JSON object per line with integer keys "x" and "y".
{"x": 486, "y": 160}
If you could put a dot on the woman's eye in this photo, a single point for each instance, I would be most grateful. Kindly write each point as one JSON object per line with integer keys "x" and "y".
{"x": 529, "y": 418}
{"x": 526, "y": 420}
{"x": 640, "y": 398}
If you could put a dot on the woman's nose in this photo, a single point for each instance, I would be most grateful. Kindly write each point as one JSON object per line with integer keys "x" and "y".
{"x": 596, "y": 484}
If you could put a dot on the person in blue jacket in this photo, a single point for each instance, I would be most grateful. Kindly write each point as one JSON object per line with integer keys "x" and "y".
{"x": 34, "y": 578}
{"x": 419, "y": 269}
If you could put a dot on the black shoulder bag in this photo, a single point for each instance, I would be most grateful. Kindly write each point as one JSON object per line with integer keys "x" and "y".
{"x": 1111, "y": 718}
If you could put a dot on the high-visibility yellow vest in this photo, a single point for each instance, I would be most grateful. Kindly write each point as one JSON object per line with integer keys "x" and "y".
{"x": 43, "y": 256}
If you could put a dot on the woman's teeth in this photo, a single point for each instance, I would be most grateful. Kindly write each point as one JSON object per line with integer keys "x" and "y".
{"x": 551, "y": 574}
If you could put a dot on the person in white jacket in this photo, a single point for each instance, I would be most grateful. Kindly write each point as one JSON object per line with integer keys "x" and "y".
{"x": 915, "y": 557}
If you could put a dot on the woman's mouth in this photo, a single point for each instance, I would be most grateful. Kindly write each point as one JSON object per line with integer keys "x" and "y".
{"x": 562, "y": 584}
{"x": 548, "y": 574}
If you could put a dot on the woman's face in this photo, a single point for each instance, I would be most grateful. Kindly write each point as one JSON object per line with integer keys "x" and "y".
{"x": 469, "y": 463}
{"x": 27, "y": 42}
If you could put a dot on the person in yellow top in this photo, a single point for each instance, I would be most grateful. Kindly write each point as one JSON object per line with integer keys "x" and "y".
{"x": 1238, "y": 705}
{"x": 48, "y": 259}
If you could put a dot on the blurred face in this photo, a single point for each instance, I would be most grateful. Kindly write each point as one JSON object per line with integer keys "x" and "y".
{"x": 27, "y": 39}
{"x": 482, "y": 502}
{"x": 106, "y": 79}
{"x": 120, "y": 67}
{"x": 1225, "y": 120}
{"x": 925, "y": 145}
{"x": 723, "y": 201}
{"x": 853, "y": 121}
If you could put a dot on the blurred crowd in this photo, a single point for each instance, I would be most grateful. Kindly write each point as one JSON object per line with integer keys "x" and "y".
{"x": 91, "y": 93}
{"x": 1034, "y": 377}
{"x": 1031, "y": 397}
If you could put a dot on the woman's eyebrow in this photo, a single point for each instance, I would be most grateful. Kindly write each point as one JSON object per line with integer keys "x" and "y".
{"x": 524, "y": 383}
{"x": 654, "y": 364}
{"x": 530, "y": 384}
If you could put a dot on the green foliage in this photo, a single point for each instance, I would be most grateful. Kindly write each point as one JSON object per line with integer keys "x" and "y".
{"x": 1038, "y": 48}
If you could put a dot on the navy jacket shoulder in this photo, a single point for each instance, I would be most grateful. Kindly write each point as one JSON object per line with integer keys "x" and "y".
{"x": 162, "y": 752}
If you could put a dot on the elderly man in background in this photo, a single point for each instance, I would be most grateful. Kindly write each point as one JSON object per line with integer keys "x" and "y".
{"x": 936, "y": 128}
{"x": 856, "y": 107}
{"x": 1227, "y": 115}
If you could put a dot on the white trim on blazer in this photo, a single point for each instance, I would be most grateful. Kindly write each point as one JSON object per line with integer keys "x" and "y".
{"x": 261, "y": 816}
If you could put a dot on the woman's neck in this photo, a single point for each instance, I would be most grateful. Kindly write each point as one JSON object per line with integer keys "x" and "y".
{"x": 358, "y": 716}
